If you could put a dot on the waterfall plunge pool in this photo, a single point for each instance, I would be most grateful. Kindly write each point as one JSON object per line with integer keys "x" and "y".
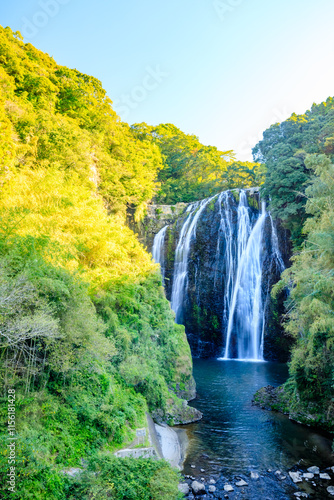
{"x": 235, "y": 437}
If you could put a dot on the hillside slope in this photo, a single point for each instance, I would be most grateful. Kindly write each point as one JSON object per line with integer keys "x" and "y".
{"x": 88, "y": 340}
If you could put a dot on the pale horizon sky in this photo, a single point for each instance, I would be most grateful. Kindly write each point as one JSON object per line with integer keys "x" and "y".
{"x": 223, "y": 70}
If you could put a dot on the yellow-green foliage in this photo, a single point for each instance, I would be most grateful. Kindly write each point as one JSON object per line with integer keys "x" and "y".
{"x": 192, "y": 171}
{"x": 88, "y": 339}
{"x": 311, "y": 300}
{"x": 62, "y": 119}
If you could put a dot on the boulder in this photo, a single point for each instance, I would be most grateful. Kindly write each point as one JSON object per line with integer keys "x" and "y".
{"x": 241, "y": 483}
{"x": 308, "y": 475}
{"x": 198, "y": 488}
{"x": 295, "y": 476}
{"x": 184, "y": 488}
{"x": 228, "y": 488}
{"x": 313, "y": 470}
{"x": 72, "y": 472}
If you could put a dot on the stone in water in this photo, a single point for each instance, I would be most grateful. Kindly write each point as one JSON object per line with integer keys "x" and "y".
{"x": 197, "y": 487}
{"x": 295, "y": 476}
{"x": 308, "y": 475}
{"x": 228, "y": 487}
{"x": 313, "y": 470}
{"x": 241, "y": 483}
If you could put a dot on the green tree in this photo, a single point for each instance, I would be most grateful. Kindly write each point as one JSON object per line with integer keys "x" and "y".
{"x": 311, "y": 301}
{"x": 192, "y": 171}
{"x": 283, "y": 150}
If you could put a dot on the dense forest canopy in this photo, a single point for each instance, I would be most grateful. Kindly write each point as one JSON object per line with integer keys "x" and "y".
{"x": 298, "y": 155}
{"x": 283, "y": 150}
{"x": 192, "y": 171}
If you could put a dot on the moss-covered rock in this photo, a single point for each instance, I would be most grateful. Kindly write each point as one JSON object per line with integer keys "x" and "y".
{"x": 177, "y": 412}
{"x": 286, "y": 400}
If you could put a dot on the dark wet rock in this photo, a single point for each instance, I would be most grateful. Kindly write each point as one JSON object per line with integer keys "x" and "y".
{"x": 269, "y": 398}
{"x": 308, "y": 413}
{"x": 157, "y": 217}
{"x": 177, "y": 412}
{"x": 204, "y": 314}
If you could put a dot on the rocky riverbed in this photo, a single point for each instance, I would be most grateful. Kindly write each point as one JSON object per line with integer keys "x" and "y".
{"x": 298, "y": 482}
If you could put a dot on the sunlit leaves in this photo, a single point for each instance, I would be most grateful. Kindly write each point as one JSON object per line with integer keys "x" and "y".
{"x": 311, "y": 279}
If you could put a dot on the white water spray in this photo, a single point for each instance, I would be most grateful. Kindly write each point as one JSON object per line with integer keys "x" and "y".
{"x": 246, "y": 312}
{"x": 188, "y": 232}
{"x": 158, "y": 249}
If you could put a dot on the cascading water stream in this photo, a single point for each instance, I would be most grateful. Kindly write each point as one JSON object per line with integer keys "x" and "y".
{"x": 188, "y": 231}
{"x": 246, "y": 313}
{"x": 225, "y": 231}
{"x": 158, "y": 249}
{"x": 223, "y": 274}
{"x": 276, "y": 254}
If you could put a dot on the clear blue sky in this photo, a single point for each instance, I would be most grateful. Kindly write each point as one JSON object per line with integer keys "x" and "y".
{"x": 221, "y": 69}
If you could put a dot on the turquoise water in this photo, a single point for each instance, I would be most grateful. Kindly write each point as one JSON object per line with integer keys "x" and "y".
{"x": 235, "y": 437}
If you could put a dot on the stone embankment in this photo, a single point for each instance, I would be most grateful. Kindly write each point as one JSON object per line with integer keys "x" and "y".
{"x": 158, "y": 441}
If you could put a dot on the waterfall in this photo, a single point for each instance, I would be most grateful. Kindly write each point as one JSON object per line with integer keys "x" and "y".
{"x": 276, "y": 254}
{"x": 188, "y": 232}
{"x": 158, "y": 249}
{"x": 246, "y": 313}
{"x": 225, "y": 262}
{"x": 225, "y": 231}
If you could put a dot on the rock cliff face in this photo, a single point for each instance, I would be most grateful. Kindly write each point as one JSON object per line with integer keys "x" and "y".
{"x": 212, "y": 266}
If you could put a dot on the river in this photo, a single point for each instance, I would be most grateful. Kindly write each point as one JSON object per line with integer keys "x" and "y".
{"x": 234, "y": 437}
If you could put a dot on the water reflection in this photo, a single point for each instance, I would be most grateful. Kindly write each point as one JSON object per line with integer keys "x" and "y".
{"x": 236, "y": 437}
